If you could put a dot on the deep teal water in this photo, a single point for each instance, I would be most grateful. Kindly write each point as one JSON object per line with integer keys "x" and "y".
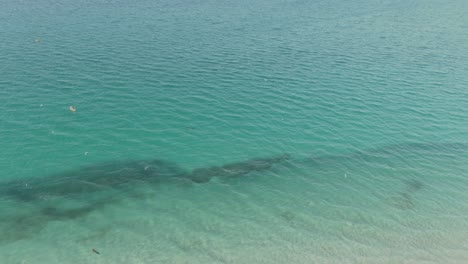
{"x": 368, "y": 98}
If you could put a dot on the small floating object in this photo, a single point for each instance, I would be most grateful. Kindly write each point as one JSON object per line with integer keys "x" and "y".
{"x": 72, "y": 108}
{"x": 37, "y": 40}
{"x": 95, "y": 251}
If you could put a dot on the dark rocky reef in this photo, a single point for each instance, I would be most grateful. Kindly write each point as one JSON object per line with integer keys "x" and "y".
{"x": 96, "y": 186}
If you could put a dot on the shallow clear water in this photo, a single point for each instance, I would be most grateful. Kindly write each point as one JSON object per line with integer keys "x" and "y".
{"x": 368, "y": 99}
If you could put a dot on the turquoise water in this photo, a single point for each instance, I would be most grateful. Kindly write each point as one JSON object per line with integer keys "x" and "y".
{"x": 365, "y": 103}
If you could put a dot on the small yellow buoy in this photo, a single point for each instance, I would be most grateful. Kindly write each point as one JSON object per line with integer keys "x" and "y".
{"x": 72, "y": 108}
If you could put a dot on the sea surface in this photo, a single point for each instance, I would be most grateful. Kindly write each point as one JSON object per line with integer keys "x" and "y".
{"x": 250, "y": 131}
